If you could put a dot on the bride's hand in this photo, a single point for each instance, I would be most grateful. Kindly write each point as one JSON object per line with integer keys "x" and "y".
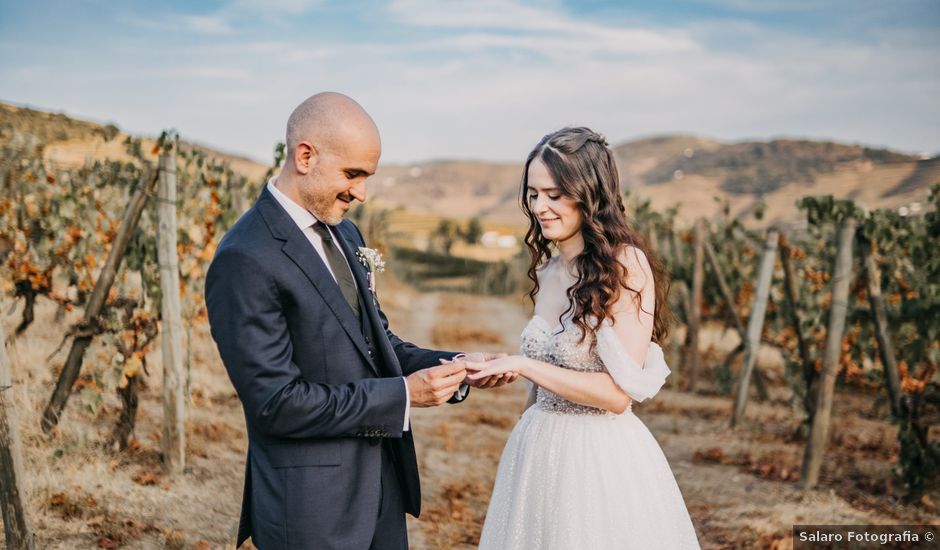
{"x": 506, "y": 365}
{"x": 492, "y": 381}
{"x": 488, "y": 381}
{"x": 481, "y": 356}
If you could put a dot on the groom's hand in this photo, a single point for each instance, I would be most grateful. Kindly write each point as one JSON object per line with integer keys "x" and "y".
{"x": 435, "y": 385}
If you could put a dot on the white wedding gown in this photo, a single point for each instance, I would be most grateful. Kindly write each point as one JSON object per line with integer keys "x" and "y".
{"x": 572, "y": 476}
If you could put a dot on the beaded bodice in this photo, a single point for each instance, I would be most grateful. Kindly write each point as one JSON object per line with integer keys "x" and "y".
{"x": 560, "y": 347}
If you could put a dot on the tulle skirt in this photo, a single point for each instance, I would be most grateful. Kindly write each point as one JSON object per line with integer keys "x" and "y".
{"x": 569, "y": 481}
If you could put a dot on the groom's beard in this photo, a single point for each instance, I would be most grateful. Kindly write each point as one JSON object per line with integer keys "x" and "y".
{"x": 327, "y": 207}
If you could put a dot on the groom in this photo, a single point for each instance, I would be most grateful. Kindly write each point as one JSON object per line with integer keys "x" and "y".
{"x": 325, "y": 385}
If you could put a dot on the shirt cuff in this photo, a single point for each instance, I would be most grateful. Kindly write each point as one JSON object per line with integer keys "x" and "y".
{"x": 407, "y": 424}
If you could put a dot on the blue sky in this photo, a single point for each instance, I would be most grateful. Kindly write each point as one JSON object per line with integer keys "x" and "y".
{"x": 485, "y": 79}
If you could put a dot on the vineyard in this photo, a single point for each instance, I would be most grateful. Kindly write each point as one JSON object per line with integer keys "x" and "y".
{"x": 87, "y": 239}
{"x": 850, "y": 301}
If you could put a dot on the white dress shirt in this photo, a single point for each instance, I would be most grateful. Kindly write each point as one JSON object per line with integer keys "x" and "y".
{"x": 305, "y": 221}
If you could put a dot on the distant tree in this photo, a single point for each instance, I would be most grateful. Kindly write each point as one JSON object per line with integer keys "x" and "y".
{"x": 473, "y": 232}
{"x": 446, "y": 234}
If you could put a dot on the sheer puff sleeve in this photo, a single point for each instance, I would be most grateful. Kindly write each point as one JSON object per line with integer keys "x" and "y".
{"x": 640, "y": 382}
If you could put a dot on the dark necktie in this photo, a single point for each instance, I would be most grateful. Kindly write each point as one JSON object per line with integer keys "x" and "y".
{"x": 344, "y": 277}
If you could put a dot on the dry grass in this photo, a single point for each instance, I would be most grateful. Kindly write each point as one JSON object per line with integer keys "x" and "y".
{"x": 455, "y": 306}
{"x": 456, "y": 518}
{"x": 85, "y": 495}
{"x": 460, "y": 337}
{"x": 465, "y": 321}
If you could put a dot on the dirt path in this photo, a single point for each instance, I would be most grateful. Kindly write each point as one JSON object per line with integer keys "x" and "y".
{"x": 459, "y": 445}
{"x": 422, "y": 315}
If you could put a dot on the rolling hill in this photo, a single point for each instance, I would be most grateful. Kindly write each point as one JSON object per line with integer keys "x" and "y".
{"x": 696, "y": 174}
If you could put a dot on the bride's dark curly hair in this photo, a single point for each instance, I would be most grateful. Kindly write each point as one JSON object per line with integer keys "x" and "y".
{"x": 583, "y": 168}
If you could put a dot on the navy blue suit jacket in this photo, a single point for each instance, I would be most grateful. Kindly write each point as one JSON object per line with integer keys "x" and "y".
{"x": 317, "y": 393}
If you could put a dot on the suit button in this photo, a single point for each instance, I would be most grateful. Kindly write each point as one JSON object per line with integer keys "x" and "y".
{"x": 368, "y": 341}
{"x": 371, "y": 353}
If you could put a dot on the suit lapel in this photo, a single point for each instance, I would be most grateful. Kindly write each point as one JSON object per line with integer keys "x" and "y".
{"x": 301, "y": 252}
{"x": 367, "y": 303}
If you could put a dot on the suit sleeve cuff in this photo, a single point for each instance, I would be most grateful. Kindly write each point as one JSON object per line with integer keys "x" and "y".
{"x": 407, "y": 423}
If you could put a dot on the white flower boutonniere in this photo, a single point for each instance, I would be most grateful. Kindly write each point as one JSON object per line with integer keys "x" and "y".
{"x": 373, "y": 262}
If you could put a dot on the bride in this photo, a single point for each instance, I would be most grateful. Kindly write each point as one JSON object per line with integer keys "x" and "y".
{"x": 580, "y": 470}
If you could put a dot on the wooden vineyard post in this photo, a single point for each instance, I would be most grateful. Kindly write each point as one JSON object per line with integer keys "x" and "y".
{"x": 725, "y": 289}
{"x": 819, "y": 431}
{"x": 171, "y": 337}
{"x": 738, "y": 323}
{"x": 678, "y": 255}
{"x": 876, "y": 302}
{"x": 755, "y": 325}
{"x": 692, "y": 354}
{"x": 17, "y": 523}
{"x": 73, "y": 365}
{"x": 678, "y": 285}
{"x": 238, "y": 197}
{"x": 654, "y": 240}
{"x": 675, "y": 348}
{"x": 792, "y": 292}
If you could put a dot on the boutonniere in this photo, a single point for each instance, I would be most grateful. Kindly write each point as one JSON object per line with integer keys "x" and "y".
{"x": 373, "y": 262}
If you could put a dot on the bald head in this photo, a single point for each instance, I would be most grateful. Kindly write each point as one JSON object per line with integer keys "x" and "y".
{"x": 328, "y": 121}
{"x": 333, "y": 146}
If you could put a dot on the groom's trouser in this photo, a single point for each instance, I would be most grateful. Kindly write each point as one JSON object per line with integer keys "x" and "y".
{"x": 391, "y": 532}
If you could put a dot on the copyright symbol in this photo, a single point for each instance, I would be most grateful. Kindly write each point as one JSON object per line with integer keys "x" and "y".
{"x": 928, "y": 536}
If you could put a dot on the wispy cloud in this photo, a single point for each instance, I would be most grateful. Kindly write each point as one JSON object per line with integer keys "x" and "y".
{"x": 764, "y": 6}
{"x": 187, "y": 23}
{"x": 207, "y": 72}
{"x": 494, "y": 23}
{"x": 226, "y": 18}
{"x": 289, "y": 7}
{"x": 486, "y": 79}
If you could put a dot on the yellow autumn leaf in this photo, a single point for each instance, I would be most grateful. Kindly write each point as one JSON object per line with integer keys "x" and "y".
{"x": 132, "y": 366}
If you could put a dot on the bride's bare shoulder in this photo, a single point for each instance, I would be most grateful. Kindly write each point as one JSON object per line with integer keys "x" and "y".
{"x": 637, "y": 264}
